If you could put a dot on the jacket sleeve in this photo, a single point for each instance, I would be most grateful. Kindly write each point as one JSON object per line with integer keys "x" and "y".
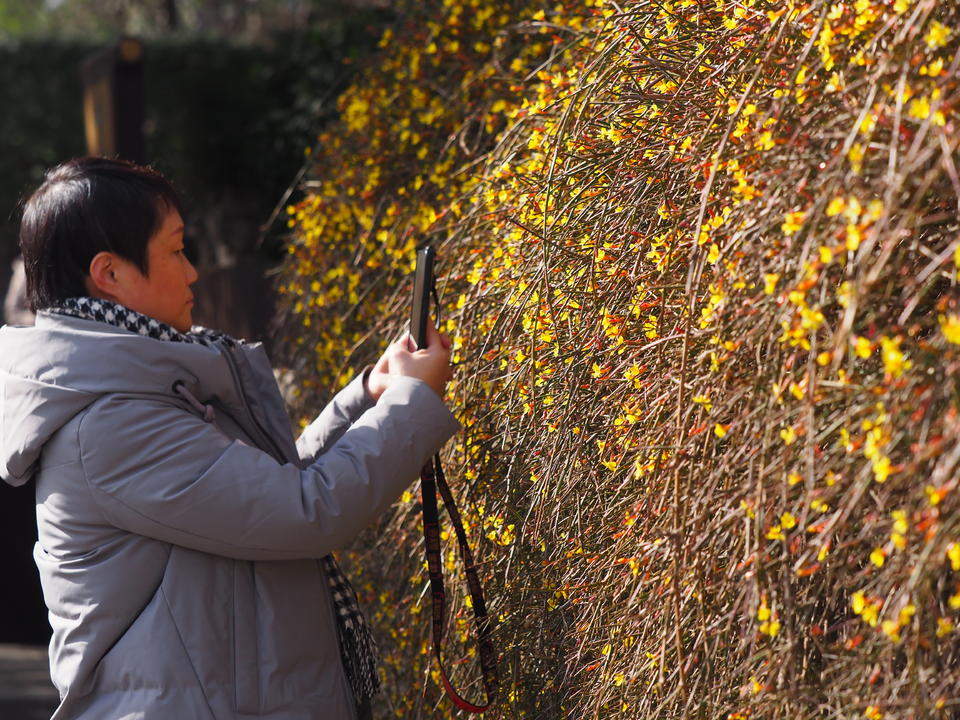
{"x": 341, "y": 412}
{"x": 158, "y": 470}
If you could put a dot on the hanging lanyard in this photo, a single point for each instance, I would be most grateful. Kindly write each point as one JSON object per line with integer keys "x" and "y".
{"x": 432, "y": 479}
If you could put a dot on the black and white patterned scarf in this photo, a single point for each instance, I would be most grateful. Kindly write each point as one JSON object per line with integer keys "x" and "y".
{"x": 358, "y": 649}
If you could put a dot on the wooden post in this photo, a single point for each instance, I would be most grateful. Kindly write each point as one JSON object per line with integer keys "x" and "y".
{"x": 173, "y": 16}
{"x": 113, "y": 101}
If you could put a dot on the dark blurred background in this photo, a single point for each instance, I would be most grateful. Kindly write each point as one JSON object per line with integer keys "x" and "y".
{"x": 233, "y": 91}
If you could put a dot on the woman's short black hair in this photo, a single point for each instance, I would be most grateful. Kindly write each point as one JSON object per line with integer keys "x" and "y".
{"x": 85, "y": 206}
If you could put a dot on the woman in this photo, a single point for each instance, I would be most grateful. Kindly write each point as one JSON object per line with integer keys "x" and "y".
{"x": 185, "y": 537}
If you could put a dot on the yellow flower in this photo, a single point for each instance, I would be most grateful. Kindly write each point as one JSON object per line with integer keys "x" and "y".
{"x": 836, "y": 206}
{"x": 703, "y": 400}
{"x": 862, "y": 346}
{"x": 788, "y": 434}
{"x": 770, "y": 281}
{"x": 933, "y": 69}
{"x": 845, "y": 440}
{"x": 878, "y": 556}
{"x": 891, "y": 629}
{"x": 881, "y": 468}
{"x": 937, "y": 35}
{"x": 906, "y": 613}
{"x": 770, "y": 628}
{"x": 788, "y": 521}
{"x": 843, "y": 293}
{"x": 855, "y": 156}
{"x": 944, "y": 627}
{"x": 950, "y": 326}
{"x": 765, "y": 141}
{"x": 953, "y": 552}
{"x": 792, "y": 222}
{"x": 894, "y": 361}
{"x": 720, "y": 430}
{"x": 919, "y": 108}
{"x": 899, "y": 521}
{"x": 873, "y": 712}
{"x": 853, "y": 237}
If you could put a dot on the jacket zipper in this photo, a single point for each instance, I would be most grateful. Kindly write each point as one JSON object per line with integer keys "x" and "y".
{"x": 243, "y": 400}
{"x": 231, "y": 362}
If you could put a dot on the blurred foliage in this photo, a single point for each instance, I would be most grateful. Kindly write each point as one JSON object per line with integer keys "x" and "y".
{"x": 238, "y": 21}
{"x": 42, "y": 123}
{"x": 227, "y": 123}
{"x": 699, "y": 263}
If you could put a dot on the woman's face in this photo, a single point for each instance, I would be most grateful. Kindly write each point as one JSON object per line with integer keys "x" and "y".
{"x": 165, "y": 295}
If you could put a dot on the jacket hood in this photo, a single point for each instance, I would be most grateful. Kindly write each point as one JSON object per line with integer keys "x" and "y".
{"x": 54, "y": 369}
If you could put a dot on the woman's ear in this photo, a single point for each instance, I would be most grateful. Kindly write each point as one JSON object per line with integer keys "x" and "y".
{"x": 103, "y": 280}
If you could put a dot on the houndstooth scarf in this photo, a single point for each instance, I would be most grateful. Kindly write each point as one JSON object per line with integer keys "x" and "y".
{"x": 358, "y": 649}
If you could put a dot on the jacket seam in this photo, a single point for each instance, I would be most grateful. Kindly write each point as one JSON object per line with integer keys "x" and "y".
{"x": 186, "y": 654}
{"x": 136, "y": 616}
{"x": 83, "y": 470}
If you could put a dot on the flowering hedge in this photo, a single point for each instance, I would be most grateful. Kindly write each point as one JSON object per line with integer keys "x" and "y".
{"x": 699, "y": 263}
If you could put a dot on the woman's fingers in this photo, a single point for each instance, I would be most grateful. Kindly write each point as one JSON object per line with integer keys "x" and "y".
{"x": 406, "y": 343}
{"x": 434, "y": 336}
{"x": 401, "y": 338}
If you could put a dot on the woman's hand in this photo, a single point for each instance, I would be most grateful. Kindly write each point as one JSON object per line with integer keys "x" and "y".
{"x": 430, "y": 364}
{"x": 376, "y": 383}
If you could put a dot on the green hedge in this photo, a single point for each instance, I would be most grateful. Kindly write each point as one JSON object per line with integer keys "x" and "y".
{"x": 227, "y": 123}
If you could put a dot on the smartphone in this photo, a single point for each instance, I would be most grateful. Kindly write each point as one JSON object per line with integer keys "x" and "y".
{"x": 422, "y": 284}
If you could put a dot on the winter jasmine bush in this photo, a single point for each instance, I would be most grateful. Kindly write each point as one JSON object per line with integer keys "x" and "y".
{"x": 699, "y": 261}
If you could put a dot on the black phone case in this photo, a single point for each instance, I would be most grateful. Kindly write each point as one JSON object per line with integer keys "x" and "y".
{"x": 422, "y": 284}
